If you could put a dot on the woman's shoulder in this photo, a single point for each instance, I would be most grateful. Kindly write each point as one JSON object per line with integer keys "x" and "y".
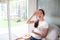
{"x": 44, "y": 24}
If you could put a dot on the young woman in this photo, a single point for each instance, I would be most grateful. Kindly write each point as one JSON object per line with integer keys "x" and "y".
{"x": 41, "y": 26}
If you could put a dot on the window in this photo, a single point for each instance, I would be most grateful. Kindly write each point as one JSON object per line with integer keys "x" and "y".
{"x": 18, "y": 17}
{"x": 3, "y": 21}
{"x": 17, "y": 10}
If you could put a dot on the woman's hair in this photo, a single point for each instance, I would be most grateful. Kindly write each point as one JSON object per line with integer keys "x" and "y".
{"x": 37, "y": 22}
{"x": 42, "y": 11}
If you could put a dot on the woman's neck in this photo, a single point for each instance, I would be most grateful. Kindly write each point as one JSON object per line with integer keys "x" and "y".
{"x": 41, "y": 19}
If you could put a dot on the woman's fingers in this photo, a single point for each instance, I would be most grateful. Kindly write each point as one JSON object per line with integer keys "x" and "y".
{"x": 33, "y": 31}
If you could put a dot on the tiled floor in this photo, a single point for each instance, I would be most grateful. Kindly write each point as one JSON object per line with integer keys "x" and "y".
{"x": 6, "y": 37}
{"x": 15, "y": 32}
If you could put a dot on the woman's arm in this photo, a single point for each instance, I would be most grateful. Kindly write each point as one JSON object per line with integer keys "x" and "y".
{"x": 29, "y": 20}
{"x": 43, "y": 34}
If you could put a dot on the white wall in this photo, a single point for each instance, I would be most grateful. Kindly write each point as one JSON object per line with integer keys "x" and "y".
{"x": 31, "y": 9}
{"x": 52, "y": 10}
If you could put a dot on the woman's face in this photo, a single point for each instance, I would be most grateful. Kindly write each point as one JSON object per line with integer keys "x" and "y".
{"x": 39, "y": 14}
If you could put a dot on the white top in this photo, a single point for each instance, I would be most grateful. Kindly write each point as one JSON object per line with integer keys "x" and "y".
{"x": 42, "y": 24}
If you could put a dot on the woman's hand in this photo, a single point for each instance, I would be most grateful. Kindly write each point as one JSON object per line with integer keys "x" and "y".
{"x": 36, "y": 33}
{"x": 43, "y": 34}
{"x": 32, "y": 31}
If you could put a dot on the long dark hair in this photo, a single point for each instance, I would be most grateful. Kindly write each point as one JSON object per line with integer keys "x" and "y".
{"x": 37, "y": 22}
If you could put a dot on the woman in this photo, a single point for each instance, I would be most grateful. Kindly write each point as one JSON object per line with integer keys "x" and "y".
{"x": 41, "y": 26}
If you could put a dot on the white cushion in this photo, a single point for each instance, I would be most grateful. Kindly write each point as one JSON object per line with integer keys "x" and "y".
{"x": 52, "y": 33}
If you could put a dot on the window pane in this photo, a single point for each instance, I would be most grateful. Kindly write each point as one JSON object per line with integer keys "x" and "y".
{"x": 18, "y": 16}
{"x": 3, "y": 22}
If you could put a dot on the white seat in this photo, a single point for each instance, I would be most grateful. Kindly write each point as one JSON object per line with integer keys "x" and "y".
{"x": 52, "y": 33}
